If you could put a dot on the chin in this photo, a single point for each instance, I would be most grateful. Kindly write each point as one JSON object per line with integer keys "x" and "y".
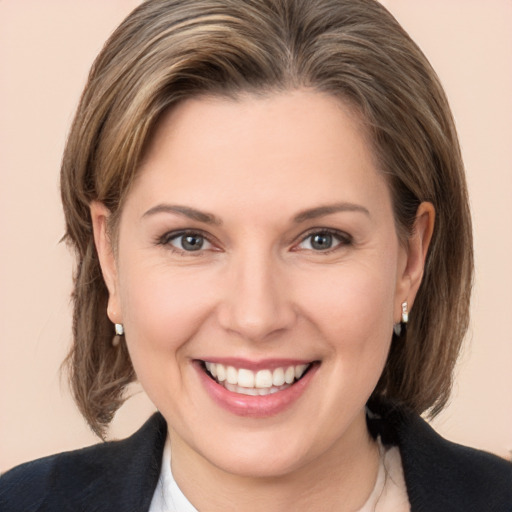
{"x": 261, "y": 454}
{"x": 260, "y": 464}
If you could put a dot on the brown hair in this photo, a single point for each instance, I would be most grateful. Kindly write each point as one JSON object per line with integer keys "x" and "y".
{"x": 169, "y": 50}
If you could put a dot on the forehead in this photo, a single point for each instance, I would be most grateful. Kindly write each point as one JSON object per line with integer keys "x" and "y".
{"x": 283, "y": 146}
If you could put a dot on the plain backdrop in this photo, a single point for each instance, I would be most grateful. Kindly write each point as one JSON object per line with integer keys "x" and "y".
{"x": 46, "y": 49}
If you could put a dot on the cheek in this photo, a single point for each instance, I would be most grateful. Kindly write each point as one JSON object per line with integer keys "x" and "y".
{"x": 162, "y": 311}
{"x": 355, "y": 299}
{"x": 352, "y": 308}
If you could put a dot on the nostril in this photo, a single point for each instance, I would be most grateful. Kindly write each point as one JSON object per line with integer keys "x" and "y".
{"x": 256, "y": 323}
{"x": 256, "y": 305}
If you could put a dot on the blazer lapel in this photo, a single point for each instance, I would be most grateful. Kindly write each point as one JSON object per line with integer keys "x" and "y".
{"x": 118, "y": 475}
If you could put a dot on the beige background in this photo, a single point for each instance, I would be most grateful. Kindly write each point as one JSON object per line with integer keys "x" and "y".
{"x": 46, "y": 49}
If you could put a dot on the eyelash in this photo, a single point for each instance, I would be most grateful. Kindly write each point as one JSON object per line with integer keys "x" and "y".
{"x": 165, "y": 240}
{"x": 344, "y": 239}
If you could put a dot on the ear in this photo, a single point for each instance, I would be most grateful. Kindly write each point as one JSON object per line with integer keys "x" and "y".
{"x": 100, "y": 215}
{"x": 411, "y": 271}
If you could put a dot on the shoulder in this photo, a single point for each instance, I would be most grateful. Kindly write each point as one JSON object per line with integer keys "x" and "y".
{"x": 121, "y": 473}
{"x": 441, "y": 475}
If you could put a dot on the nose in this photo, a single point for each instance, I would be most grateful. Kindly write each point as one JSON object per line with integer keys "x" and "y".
{"x": 257, "y": 303}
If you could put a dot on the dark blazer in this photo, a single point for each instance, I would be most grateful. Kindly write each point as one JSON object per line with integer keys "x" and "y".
{"x": 121, "y": 476}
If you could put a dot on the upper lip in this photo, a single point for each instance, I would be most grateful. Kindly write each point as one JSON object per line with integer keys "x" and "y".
{"x": 255, "y": 365}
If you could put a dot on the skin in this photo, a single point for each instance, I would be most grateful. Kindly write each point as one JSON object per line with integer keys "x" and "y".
{"x": 259, "y": 289}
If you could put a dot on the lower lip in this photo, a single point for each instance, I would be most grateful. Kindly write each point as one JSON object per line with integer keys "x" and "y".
{"x": 255, "y": 406}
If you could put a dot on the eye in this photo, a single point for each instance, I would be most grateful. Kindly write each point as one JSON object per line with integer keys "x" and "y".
{"x": 324, "y": 240}
{"x": 189, "y": 241}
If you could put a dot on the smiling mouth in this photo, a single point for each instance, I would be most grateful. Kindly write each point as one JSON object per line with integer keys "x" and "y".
{"x": 255, "y": 383}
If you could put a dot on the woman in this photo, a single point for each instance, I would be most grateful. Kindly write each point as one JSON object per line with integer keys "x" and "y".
{"x": 268, "y": 203}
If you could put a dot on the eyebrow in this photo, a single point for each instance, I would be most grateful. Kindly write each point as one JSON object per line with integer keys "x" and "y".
{"x": 185, "y": 211}
{"x": 329, "y": 209}
{"x": 209, "y": 218}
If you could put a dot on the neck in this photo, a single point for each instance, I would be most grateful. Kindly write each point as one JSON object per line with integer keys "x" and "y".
{"x": 341, "y": 479}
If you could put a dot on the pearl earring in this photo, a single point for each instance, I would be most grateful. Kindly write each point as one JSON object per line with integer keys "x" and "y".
{"x": 397, "y": 328}
{"x": 405, "y": 312}
{"x": 119, "y": 332}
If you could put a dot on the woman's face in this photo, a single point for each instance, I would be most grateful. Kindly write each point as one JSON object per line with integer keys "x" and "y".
{"x": 258, "y": 245}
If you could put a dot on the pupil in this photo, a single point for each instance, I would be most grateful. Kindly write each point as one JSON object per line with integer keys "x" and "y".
{"x": 192, "y": 243}
{"x": 321, "y": 241}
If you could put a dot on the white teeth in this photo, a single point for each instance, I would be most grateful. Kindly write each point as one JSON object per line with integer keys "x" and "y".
{"x": 221, "y": 373}
{"x": 262, "y": 382}
{"x": 246, "y": 378}
{"x": 299, "y": 370}
{"x": 253, "y": 391}
{"x": 263, "y": 379}
{"x": 278, "y": 377}
{"x": 212, "y": 368}
{"x": 231, "y": 375}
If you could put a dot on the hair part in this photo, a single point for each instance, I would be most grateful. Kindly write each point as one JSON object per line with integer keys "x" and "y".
{"x": 169, "y": 50}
